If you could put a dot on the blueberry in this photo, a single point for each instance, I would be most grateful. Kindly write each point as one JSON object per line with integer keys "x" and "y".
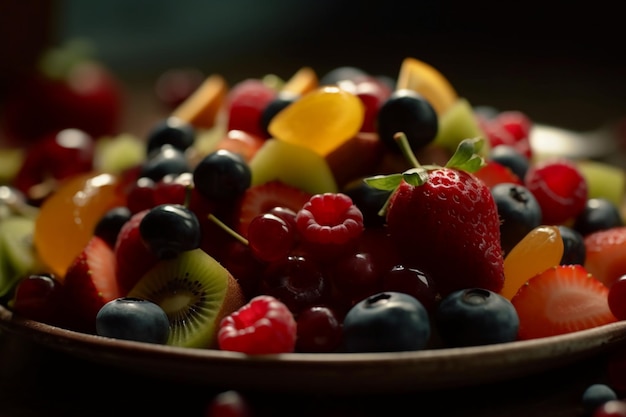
{"x": 169, "y": 229}
{"x": 510, "y": 157}
{"x": 274, "y": 107}
{"x": 598, "y": 214}
{"x": 222, "y": 176}
{"x": 574, "y": 249}
{"x": 133, "y": 319}
{"x": 171, "y": 131}
{"x": 386, "y": 322}
{"x": 476, "y": 317}
{"x": 369, "y": 200}
{"x": 109, "y": 225}
{"x": 408, "y": 112}
{"x": 518, "y": 210}
{"x": 595, "y": 395}
{"x": 164, "y": 161}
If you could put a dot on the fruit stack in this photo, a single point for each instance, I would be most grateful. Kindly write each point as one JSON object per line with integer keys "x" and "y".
{"x": 346, "y": 212}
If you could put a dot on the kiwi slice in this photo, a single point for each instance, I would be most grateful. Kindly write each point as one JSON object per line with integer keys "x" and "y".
{"x": 18, "y": 256}
{"x": 195, "y": 291}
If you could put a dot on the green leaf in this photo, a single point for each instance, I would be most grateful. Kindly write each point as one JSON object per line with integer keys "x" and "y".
{"x": 415, "y": 176}
{"x": 384, "y": 182}
{"x": 467, "y": 155}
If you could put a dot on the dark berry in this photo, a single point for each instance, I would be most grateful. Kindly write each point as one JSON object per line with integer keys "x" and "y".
{"x": 319, "y": 330}
{"x": 229, "y": 403}
{"x": 222, "y": 175}
{"x": 39, "y": 297}
{"x": 574, "y": 249}
{"x": 133, "y": 319}
{"x": 598, "y": 214}
{"x": 369, "y": 200}
{"x": 518, "y": 210}
{"x": 108, "y": 227}
{"x": 169, "y": 229}
{"x": 511, "y": 158}
{"x": 164, "y": 161}
{"x": 386, "y": 322}
{"x": 411, "y": 281}
{"x": 274, "y": 107}
{"x": 474, "y": 317}
{"x": 595, "y": 395}
{"x": 171, "y": 131}
{"x": 408, "y": 112}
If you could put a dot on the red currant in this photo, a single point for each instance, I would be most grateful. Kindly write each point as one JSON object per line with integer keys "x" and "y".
{"x": 270, "y": 237}
{"x": 318, "y": 330}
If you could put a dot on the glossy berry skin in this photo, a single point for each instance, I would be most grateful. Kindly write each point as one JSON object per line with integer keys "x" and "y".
{"x": 263, "y": 326}
{"x": 596, "y": 395}
{"x": 133, "y": 319}
{"x": 170, "y": 131}
{"x": 109, "y": 226}
{"x": 475, "y": 317}
{"x": 414, "y": 282}
{"x": 560, "y": 189}
{"x": 319, "y": 330}
{"x": 169, "y": 229}
{"x": 270, "y": 238}
{"x": 38, "y": 297}
{"x": 574, "y": 249}
{"x": 222, "y": 175}
{"x": 164, "y": 161}
{"x": 386, "y": 322}
{"x": 598, "y": 214}
{"x": 617, "y": 298}
{"x": 297, "y": 281}
{"x": 511, "y": 158}
{"x": 407, "y": 111}
{"x": 518, "y": 210}
{"x": 229, "y": 403}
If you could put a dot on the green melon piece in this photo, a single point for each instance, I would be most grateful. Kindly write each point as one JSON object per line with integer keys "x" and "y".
{"x": 115, "y": 154}
{"x": 292, "y": 164}
{"x": 458, "y": 123}
{"x": 604, "y": 180}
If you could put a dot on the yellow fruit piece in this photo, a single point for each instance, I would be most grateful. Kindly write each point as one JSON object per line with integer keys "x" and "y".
{"x": 302, "y": 82}
{"x": 419, "y": 76}
{"x": 67, "y": 218}
{"x": 540, "y": 249}
{"x": 202, "y": 107}
{"x": 116, "y": 154}
{"x": 320, "y": 120}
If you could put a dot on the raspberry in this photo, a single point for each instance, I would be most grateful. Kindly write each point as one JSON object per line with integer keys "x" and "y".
{"x": 263, "y": 326}
{"x": 330, "y": 218}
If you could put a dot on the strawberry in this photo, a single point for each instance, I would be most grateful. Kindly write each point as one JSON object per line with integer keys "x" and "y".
{"x": 606, "y": 254}
{"x": 562, "y": 299}
{"x": 259, "y": 199}
{"x": 89, "y": 284}
{"x": 132, "y": 257}
{"x": 444, "y": 221}
{"x": 493, "y": 173}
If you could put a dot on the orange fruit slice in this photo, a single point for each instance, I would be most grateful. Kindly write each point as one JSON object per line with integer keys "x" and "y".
{"x": 423, "y": 78}
{"x": 200, "y": 109}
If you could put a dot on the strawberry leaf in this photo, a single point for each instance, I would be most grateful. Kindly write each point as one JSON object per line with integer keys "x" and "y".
{"x": 415, "y": 176}
{"x": 384, "y": 182}
{"x": 467, "y": 156}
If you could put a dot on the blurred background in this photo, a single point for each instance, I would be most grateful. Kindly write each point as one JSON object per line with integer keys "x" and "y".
{"x": 558, "y": 63}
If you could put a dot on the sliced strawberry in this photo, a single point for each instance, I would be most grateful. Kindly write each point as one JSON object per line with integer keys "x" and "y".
{"x": 89, "y": 284}
{"x": 132, "y": 257}
{"x": 493, "y": 173}
{"x": 259, "y": 199}
{"x": 606, "y": 254}
{"x": 562, "y": 299}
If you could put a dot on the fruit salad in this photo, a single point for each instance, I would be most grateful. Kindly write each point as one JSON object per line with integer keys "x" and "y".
{"x": 337, "y": 212}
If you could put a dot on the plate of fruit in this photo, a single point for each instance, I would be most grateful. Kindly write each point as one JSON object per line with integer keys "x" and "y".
{"x": 343, "y": 233}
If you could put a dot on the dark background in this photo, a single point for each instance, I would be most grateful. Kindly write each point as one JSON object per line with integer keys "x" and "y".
{"x": 560, "y": 63}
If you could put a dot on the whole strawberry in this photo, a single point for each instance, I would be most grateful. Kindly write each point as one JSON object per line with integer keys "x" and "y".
{"x": 444, "y": 220}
